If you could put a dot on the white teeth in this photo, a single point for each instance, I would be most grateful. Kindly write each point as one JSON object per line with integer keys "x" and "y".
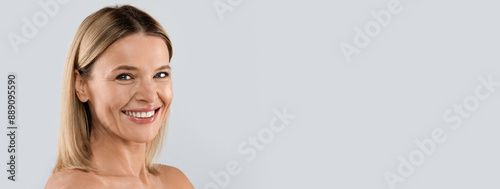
{"x": 140, "y": 114}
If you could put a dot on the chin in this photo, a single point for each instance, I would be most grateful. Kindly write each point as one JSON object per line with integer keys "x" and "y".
{"x": 142, "y": 135}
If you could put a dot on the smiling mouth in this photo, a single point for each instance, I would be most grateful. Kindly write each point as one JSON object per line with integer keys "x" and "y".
{"x": 146, "y": 114}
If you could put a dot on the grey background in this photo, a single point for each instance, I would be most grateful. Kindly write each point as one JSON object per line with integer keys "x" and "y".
{"x": 353, "y": 120}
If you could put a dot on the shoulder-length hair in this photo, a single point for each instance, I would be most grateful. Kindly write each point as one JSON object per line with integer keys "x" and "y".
{"x": 95, "y": 34}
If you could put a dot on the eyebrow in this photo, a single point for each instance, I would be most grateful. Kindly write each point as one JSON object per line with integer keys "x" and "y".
{"x": 163, "y": 68}
{"x": 134, "y": 68}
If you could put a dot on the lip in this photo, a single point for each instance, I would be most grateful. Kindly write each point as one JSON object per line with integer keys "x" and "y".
{"x": 143, "y": 109}
{"x": 143, "y": 120}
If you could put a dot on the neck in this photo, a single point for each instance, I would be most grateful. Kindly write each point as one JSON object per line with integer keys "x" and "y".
{"x": 117, "y": 157}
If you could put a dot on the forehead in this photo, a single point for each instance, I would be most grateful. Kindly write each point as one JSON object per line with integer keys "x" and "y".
{"x": 137, "y": 50}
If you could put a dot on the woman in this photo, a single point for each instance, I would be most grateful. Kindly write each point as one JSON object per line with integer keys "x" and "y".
{"x": 116, "y": 99}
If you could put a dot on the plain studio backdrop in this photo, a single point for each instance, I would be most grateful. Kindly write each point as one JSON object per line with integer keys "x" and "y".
{"x": 288, "y": 94}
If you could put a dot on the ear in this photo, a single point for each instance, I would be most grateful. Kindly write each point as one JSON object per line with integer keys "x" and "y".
{"x": 80, "y": 87}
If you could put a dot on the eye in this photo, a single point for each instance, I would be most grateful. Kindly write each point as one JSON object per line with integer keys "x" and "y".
{"x": 124, "y": 77}
{"x": 161, "y": 75}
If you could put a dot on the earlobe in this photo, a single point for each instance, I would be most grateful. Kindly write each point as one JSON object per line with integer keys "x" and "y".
{"x": 80, "y": 87}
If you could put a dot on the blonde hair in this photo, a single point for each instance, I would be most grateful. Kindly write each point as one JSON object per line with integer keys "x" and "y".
{"x": 95, "y": 34}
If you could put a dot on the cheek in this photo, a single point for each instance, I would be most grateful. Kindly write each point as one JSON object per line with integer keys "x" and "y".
{"x": 108, "y": 100}
{"x": 166, "y": 96}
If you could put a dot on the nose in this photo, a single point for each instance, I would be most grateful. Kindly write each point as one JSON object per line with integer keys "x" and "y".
{"x": 146, "y": 91}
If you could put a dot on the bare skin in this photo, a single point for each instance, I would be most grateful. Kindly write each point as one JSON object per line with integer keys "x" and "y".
{"x": 169, "y": 178}
{"x": 118, "y": 144}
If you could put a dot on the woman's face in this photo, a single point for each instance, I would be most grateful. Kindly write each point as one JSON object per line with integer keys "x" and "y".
{"x": 130, "y": 89}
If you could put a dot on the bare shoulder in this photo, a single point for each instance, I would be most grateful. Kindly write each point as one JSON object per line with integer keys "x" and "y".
{"x": 172, "y": 176}
{"x": 73, "y": 179}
